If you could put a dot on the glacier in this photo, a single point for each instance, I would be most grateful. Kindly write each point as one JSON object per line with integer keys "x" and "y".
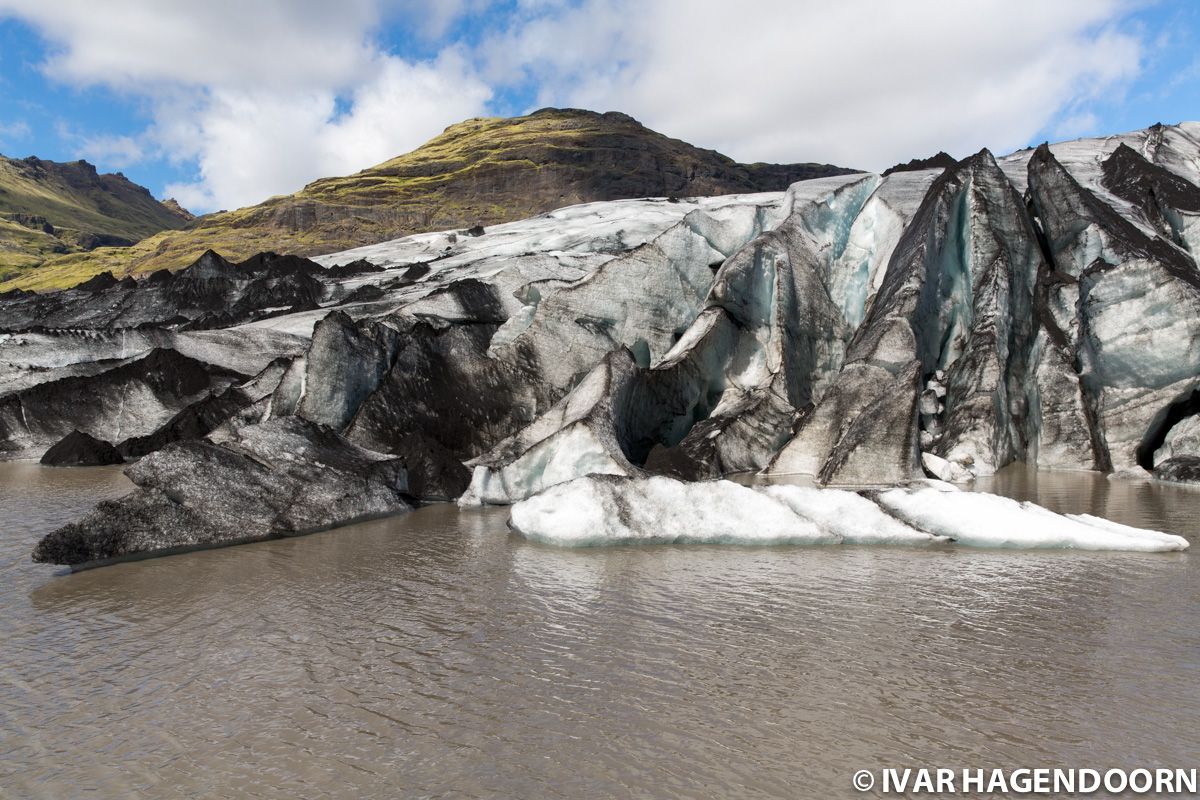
{"x": 865, "y": 330}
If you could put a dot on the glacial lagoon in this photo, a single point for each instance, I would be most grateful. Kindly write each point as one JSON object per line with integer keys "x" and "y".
{"x": 440, "y": 654}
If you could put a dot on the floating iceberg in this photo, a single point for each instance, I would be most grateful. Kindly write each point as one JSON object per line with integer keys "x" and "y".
{"x": 977, "y": 519}
{"x": 610, "y": 509}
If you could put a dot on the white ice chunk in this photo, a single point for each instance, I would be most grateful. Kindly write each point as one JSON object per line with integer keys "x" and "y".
{"x": 567, "y": 454}
{"x": 657, "y": 510}
{"x": 933, "y": 483}
{"x": 848, "y": 516}
{"x": 596, "y": 511}
{"x": 977, "y": 519}
{"x": 944, "y": 470}
{"x": 1182, "y": 440}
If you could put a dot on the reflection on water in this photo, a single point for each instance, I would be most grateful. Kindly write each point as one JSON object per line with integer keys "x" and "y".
{"x": 437, "y": 654}
{"x": 1144, "y": 503}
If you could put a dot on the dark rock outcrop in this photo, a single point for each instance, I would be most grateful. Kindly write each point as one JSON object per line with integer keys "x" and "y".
{"x": 77, "y": 449}
{"x": 940, "y": 160}
{"x": 172, "y": 205}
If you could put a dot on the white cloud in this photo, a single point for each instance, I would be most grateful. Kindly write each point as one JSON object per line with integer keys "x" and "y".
{"x": 432, "y": 19}
{"x": 262, "y": 96}
{"x": 14, "y": 131}
{"x": 134, "y": 45}
{"x": 107, "y": 151}
{"x": 113, "y": 151}
{"x": 392, "y": 113}
{"x": 857, "y": 82}
{"x": 251, "y": 144}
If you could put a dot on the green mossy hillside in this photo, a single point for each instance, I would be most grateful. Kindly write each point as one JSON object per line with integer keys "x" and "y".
{"x": 51, "y": 210}
{"x": 478, "y": 172}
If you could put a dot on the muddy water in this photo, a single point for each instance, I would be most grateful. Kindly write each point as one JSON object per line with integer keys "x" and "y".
{"x": 438, "y": 655}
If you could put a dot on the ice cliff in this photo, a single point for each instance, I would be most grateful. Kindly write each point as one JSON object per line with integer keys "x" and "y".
{"x": 867, "y": 330}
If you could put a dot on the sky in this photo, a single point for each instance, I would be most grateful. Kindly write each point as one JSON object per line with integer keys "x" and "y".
{"x": 224, "y": 103}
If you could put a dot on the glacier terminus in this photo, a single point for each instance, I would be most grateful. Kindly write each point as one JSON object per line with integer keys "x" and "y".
{"x": 885, "y": 335}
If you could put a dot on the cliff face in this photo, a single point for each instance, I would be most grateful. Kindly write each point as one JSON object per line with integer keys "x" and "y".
{"x": 48, "y": 209}
{"x": 478, "y": 172}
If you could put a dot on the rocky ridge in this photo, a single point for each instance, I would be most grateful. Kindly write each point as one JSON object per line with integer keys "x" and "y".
{"x": 49, "y": 209}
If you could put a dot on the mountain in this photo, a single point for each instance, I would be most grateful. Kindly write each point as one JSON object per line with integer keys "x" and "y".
{"x": 478, "y": 172}
{"x": 940, "y": 160}
{"x": 865, "y": 330}
{"x": 49, "y": 208}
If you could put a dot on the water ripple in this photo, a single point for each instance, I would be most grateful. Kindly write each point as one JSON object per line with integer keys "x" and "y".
{"x": 439, "y": 655}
